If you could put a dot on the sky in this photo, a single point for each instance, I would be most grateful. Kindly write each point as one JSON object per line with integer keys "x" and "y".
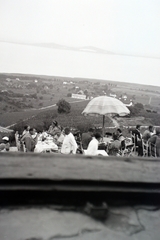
{"x": 129, "y": 27}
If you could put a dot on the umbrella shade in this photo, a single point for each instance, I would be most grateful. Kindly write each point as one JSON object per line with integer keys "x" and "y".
{"x": 104, "y": 105}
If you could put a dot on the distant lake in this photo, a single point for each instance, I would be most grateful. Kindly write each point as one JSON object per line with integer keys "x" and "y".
{"x": 15, "y": 58}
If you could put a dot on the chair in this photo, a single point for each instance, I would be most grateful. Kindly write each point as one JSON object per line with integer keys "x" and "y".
{"x": 152, "y": 149}
{"x": 18, "y": 144}
{"x": 134, "y": 143}
{"x": 145, "y": 147}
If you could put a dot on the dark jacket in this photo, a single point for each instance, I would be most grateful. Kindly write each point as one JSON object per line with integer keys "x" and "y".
{"x": 86, "y": 138}
{"x": 136, "y": 136}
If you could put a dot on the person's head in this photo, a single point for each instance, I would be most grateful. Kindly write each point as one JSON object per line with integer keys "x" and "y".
{"x": 119, "y": 131}
{"x": 34, "y": 130}
{"x": 67, "y": 130}
{"x": 31, "y": 131}
{"x": 150, "y": 128}
{"x": 91, "y": 131}
{"x": 26, "y": 127}
{"x": 54, "y": 123}
{"x": 114, "y": 136}
{"x": 98, "y": 136}
{"x": 158, "y": 131}
{"x": 108, "y": 135}
{"x": 138, "y": 127}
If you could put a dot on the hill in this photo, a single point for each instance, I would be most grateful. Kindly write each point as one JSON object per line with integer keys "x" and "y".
{"x": 25, "y": 97}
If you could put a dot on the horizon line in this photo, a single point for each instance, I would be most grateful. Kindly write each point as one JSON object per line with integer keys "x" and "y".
{"x": 84, "y": 78}
{"x": 78, "y": 49}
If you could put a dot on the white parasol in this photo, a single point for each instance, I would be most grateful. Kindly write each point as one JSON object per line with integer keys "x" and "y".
{"x": 104, "y": 105}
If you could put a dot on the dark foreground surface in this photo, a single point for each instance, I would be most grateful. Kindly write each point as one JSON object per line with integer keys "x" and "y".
{"x": 45, "y": 197}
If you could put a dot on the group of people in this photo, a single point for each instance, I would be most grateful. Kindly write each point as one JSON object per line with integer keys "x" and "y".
{"x": 89, "y": 142}
{"x": 27, "y": 140}
{"x": 115, "y": 143}
{"x": 150, "y": 137}
{"x": 62, "y": 137}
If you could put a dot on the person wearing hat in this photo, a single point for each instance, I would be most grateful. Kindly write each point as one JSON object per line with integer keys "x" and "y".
{"x": 54, "y": 130}
{"x": 5, "y": 145}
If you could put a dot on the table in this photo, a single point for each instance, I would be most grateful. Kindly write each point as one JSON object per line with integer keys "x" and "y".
{"x": 45, "y": 146}
{"x": 99, "y": 152}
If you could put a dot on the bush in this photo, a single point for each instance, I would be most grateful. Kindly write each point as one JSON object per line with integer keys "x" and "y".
{"x": 63, "y": 106}
{"x": 136, "y": 110}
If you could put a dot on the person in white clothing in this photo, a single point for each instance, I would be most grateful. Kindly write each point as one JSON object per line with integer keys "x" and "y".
{"x": 93, "y": 145}
{"x": 69, "y": 145}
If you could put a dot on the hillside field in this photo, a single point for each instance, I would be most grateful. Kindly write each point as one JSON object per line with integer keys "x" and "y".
{"x": 24, "y": 98}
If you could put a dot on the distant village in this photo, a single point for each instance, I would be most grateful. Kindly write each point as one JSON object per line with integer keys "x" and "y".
{"x": 86, "y": 94}
{"x": 78, "y": 93}
{"x": 17, "y": 89}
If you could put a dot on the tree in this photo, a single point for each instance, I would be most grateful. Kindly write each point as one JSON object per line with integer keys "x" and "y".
{"x": 63, "y": 106}
{"x": 137, "y": 109}
{"x": 139, "y": 106}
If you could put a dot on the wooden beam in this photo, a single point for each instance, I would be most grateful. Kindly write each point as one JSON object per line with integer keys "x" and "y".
{"x": 76, "y": 179}
{"x": 79, "y": 167}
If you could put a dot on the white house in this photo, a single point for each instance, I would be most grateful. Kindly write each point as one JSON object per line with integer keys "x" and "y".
{"x": 113, "y": 95}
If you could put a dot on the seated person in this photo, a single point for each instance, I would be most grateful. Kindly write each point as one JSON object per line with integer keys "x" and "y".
{"x": 121, "y": 138}
{"x": 155, "y": 143}
{"x": 137, "y": 140}
{"x": 29, "y": 141}
{"x": 147, "y": 134}
{"x": 119, "y": 134}
{"x": 87, "y": 137}
{"x": 93, "y": 145}
{"x": 34, "y": 136}
{"x": 25, "y": 131}
{"x": 60, "y": 139}
{"x": 54, "y": 130}
{"x": 5, "y": 145}
{"x": 44, "y": 135}
{"x": 114, "y": 146}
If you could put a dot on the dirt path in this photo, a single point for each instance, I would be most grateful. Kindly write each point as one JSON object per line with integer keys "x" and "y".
{"x": 115, "y": 122}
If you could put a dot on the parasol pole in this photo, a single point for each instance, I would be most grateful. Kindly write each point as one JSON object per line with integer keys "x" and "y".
{"x": 103, "y": 126}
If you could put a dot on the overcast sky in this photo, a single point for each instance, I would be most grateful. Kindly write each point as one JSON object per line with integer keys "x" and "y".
{"x": 121, "y": 26}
